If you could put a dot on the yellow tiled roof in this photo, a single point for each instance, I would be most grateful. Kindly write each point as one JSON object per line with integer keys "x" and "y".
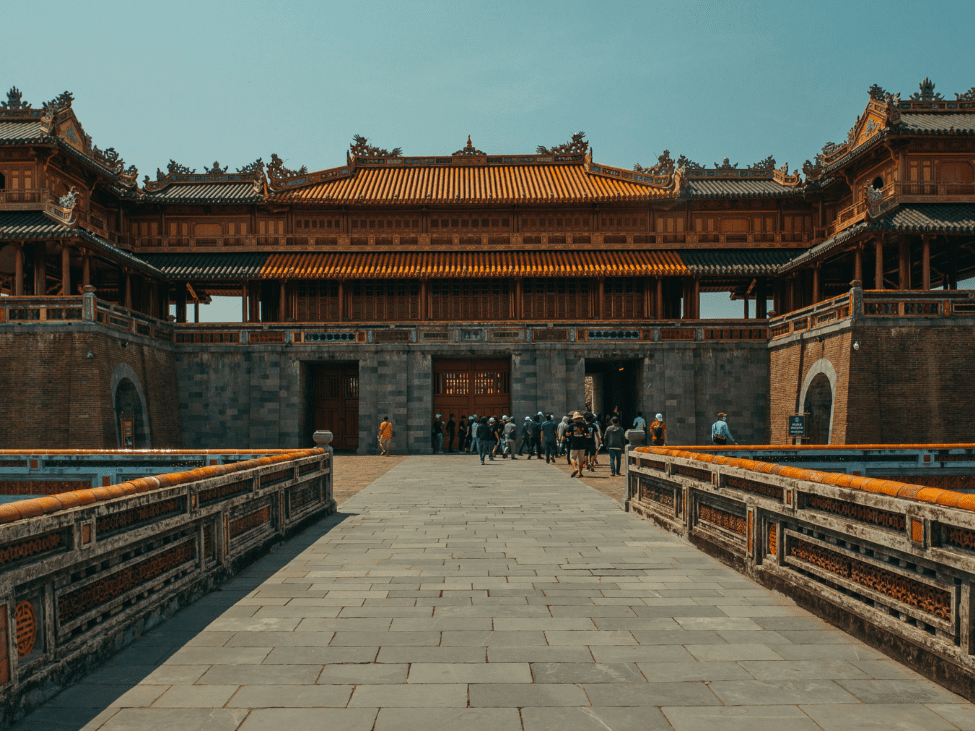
{"x": 434, "y": 264}
{"x": 473, "y": 184}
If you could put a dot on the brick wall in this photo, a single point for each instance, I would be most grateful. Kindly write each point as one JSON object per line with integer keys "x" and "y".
{"x": 789, "y": 366}
{"x": 55, "y": 396}
{"x": 910, "y": 382}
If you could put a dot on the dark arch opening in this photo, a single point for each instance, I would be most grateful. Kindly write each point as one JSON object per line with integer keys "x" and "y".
{"x": 878, "y": 183}
{"x": 819, "y": 407}
{"x": 129, "y": 416}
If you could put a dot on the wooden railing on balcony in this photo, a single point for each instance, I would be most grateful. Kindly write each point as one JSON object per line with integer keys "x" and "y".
{"x": 937, "y": 303}
{"x": 29, "y": 199}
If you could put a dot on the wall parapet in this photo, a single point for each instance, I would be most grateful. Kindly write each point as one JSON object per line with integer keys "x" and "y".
{"x": 85, "y": 571}
{"x": 891, "y": 561}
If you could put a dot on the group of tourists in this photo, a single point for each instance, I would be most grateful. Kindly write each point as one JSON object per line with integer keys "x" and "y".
{"x": 578, "y": 436}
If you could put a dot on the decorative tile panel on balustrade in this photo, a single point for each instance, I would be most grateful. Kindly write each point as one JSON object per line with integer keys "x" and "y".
{"x": 889, "y": 561}
{"x": 86, "y": 571}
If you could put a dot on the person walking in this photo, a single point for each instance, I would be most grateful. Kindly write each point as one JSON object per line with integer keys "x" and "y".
{"x": 577, "y": 434}
{"x": 385, "y": 436}
{"x": 528, "y": 436}
{"x": 485, "y": 438}
{"x": 474, "y": 428}
{"x": 510, "y": 437}
{"x": 539, "y": 418}
{"x": 591, "y": 444}
{"x": 462, "y": 429}
{"x": 549, "y": 436}
{"x": 560, "y": 435}
{"x": 658, "y": 432}
{"x": 436, "y": 434}
{"x": 720, "y": 433}
{"x": 613, "y": 439}
{"x": 525, "y": 436}
{"x": 451, "y": 432}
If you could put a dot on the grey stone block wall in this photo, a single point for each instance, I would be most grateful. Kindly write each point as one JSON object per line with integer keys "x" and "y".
{"x": 261, "y": 397}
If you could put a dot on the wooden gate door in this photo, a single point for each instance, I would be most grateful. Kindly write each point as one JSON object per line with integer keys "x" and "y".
{"x": 337, "y": 404}
{"x": 465, "y": 387}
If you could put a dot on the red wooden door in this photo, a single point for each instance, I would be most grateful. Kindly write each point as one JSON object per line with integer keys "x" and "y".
{"x": 337, "y": 404}
{"x": 465, "y": 387}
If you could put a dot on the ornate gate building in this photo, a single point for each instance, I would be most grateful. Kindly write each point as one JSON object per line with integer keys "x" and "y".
{"x": 402, "y": 285}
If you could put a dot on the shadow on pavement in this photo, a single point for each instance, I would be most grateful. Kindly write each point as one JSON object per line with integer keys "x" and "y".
{"x": 90, "y": 698}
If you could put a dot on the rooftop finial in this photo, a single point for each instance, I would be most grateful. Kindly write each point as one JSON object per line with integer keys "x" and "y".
{"x": 469, "y": 150}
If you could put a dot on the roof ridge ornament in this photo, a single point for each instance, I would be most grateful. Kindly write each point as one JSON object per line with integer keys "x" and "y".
{"x": 688, "y": 164}
{"x": 726, "y": 165}
{"x": 15, "y": 100}
{"x": 767, "y": 164}
{"x": 968, "y": 96}
{"x": 277, "y": 171}
{"x": 216, "y": 169}
{"x": 578, "y": 143}
{"x": 927, "y": 92}
{"x": 60, "y": 102}
{"x": 360, "y": 147}
{"x": 469, "y": 149}
{"x": 665, "y": 165}
{"x": 256, "y": 167}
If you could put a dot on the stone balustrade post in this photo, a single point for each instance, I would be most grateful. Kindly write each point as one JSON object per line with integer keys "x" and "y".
{"x": 634, "y": 438}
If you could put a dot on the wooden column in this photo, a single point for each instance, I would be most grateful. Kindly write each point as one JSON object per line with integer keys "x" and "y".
{"x": 646, "y": 297}
{"x": 19, "y": 270}
{"x": 341, "y": 312}
{"x": 196, "y": 311}
{"x": 696, "y": 299}
{"x": 746, "y": 314}
{"x": 181, "y": 302}
{"x": 925, "y": 262}
{"x": 761, "y": 300}
{"x": 423, "y": 299}
{"x": 858, "y": 264}
{"x": 127, "y": 279}
{"x": 153, "y": 299}
{"x": 816, "y": 285}
{"x": 40, "y": 269}
{"x": 65, "y": 271}
{"x": 519, "y": 313}
{"x": 878, "y": 269}
{"x": 243, "y": 302}
{"x": 904, "y": 265}
{"x": 86, "y": 270}
{"x": 283, "y": 303}
{"x": 659, "y": 309}
{"x": 254, "y": 301}
{"x": 600, "y": 303}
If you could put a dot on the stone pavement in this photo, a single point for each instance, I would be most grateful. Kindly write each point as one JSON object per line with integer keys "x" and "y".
{"x": 447, "y": 595}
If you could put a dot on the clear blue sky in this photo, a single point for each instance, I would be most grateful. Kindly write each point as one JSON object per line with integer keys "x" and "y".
{"x": 234, "y": 81}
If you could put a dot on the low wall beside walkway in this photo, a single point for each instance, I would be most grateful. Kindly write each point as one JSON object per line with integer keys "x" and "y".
{"x": 87, "y": 571}
{"x": 890, "y": 562}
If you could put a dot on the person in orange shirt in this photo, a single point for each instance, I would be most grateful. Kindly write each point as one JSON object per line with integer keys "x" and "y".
{"x": 385, "y": 435}
{"x": 658, "y": 432}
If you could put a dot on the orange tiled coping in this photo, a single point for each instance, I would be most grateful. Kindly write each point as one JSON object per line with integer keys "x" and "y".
{"x": 34, "y": 507}
{"x": 947, "y": 498}
{"x": 130, "y": 452}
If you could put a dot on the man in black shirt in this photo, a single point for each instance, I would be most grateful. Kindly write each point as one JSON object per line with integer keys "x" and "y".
{"x": 577, "y": 434}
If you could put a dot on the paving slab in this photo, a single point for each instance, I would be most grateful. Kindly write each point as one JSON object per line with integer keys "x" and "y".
{"x": 447, "y": 596}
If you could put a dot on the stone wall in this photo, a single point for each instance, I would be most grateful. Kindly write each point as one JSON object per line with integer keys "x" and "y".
{"x": 56, "y": 396}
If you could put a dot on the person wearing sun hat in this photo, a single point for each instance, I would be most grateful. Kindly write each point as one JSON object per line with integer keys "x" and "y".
{"x": 658, "y": 432}
{"x": 720, "y": 434}
{"x": 578, "y": 435}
